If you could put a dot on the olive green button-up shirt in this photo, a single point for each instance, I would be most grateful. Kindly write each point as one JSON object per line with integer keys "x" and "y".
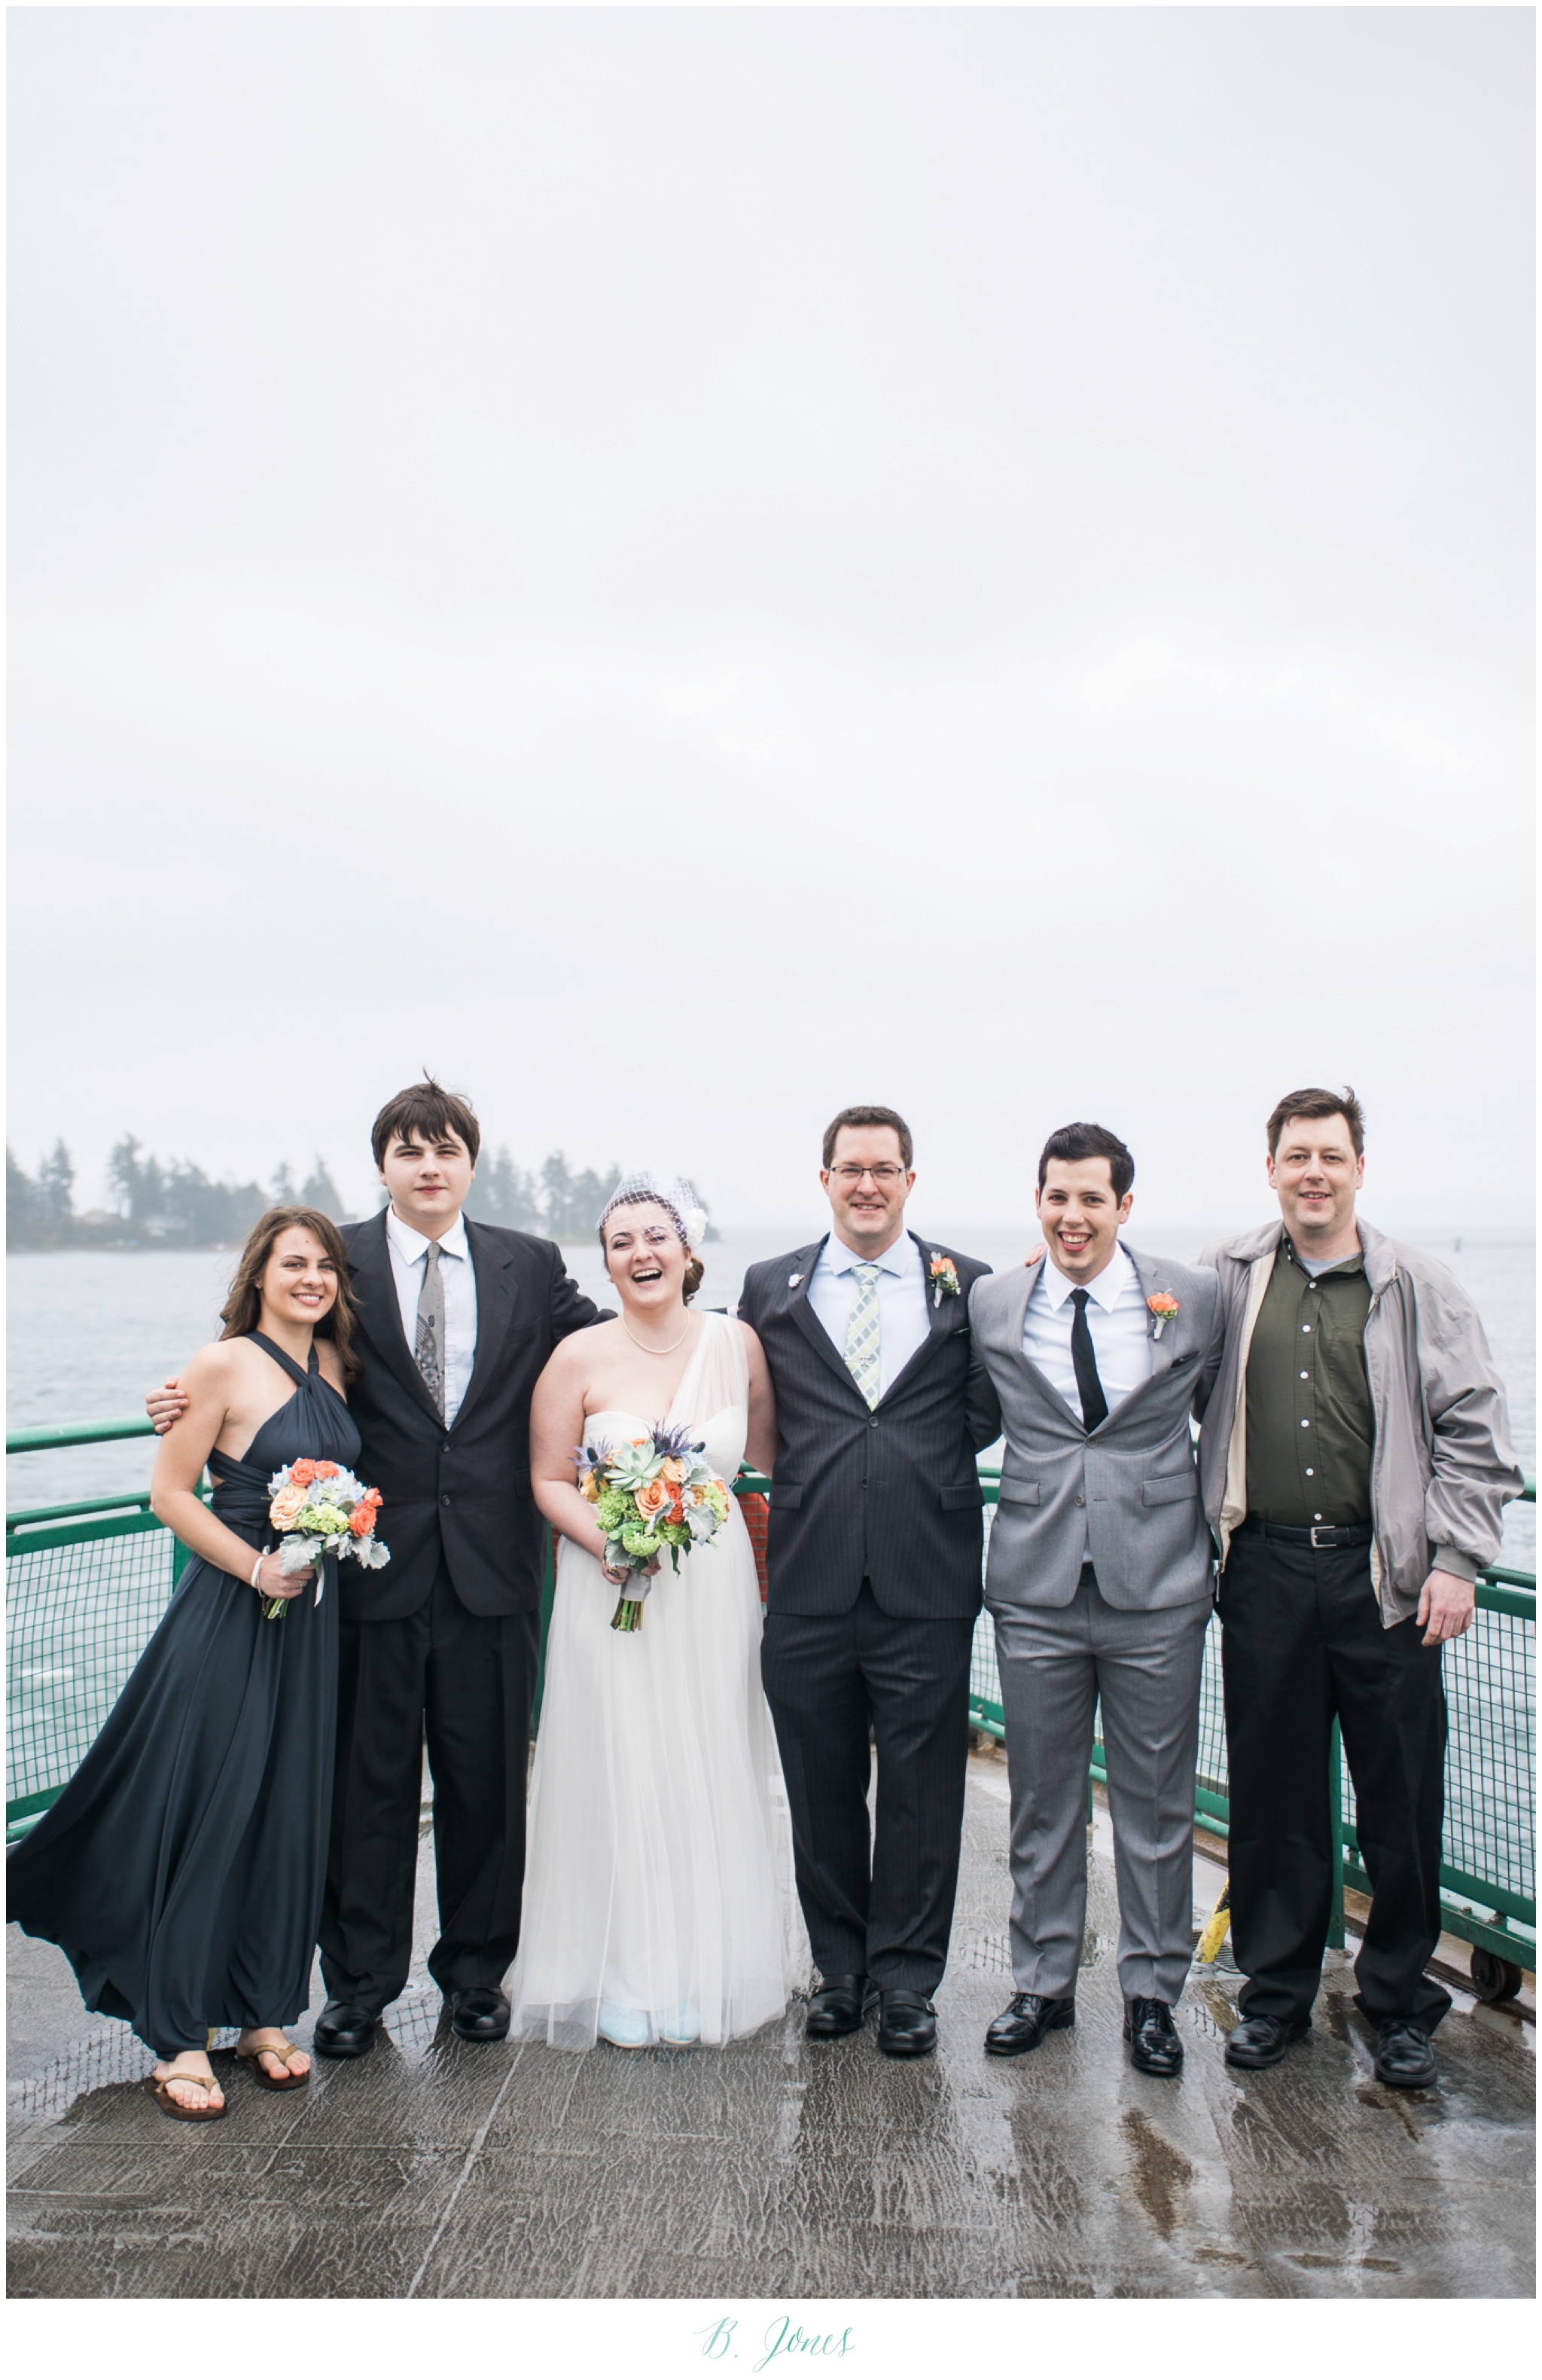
{"x": 1311, "y": 1428}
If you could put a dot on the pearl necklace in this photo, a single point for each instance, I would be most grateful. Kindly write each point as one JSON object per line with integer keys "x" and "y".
{"x": 655, "y": 1351}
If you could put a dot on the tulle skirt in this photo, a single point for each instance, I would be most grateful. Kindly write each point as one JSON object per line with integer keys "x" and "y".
{"x": 659, "y": 1874}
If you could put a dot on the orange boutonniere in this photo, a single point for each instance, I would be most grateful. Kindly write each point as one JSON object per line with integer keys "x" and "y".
{"x": 945, "y": 1277}
{"x": 1163, "y": 1306}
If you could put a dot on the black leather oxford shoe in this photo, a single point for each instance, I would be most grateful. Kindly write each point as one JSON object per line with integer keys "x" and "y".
{"x": 837, "y": 2006}
{"x": 907, "y": 2024}
{"x": 479, "y": 2014}
{"x": 1403, "y": 2055}
{"x": 1154, "y": 2037}
{"x": 1024, "y": 2021}
{"x": 345, "y": 2030}
{"x": 1263, "y": 2040}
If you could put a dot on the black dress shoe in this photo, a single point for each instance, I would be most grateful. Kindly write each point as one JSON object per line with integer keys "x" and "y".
{"x": 1405, "y": 2057}
{"x": 344, "y": 2030}
{"x": 479, "y": 2014}
{"x": 1263, "y": 2040}
{"x": 837, "y": 2006}
{"x": 1024, "y": 2021}
{"x": 1154, "y": 2037}
{"x": 907, "y": 2024}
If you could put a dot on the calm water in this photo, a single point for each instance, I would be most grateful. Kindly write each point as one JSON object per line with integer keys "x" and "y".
{"x": 90, "y": 1333}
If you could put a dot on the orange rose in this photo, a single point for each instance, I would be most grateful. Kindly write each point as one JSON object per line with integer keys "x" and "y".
{"x": 286, "y": 1507}
{"x": 589, "y": 1489}
{"x": 303, "y": 1472}
{"x": 673, "y": 1471}
{"x": 326, "y": 1471}
{"x": 373, "y": 1498}
{"x": 677, "y": 1507}
{"x": 652, "y": 1500}
{"x": 361, "y": 1520}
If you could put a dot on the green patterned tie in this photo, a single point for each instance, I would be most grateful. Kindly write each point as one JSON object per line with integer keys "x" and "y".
{"x": 863, "y": 1359}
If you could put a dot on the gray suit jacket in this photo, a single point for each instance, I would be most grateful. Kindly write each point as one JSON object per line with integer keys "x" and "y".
{"x": 1128, "y": 1496}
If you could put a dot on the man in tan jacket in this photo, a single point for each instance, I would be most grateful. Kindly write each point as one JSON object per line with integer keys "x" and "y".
{"x": 1354, "y": 1464}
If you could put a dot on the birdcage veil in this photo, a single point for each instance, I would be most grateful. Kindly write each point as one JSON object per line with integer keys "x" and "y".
{"x": 673, "y": 1193}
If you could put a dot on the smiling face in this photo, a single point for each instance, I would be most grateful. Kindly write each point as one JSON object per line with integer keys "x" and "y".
{"x": 300, "y": 1280}
{"x": 1079, "y": 1215}
{"x": 645, "y": 1258}
{"x": 428, "y": 1180}
{"x": 1315, "y": 1173}
{"x": 867, "y": 1183}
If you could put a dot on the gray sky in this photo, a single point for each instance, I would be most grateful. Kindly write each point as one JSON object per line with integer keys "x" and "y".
{"x": 687, "y": 568}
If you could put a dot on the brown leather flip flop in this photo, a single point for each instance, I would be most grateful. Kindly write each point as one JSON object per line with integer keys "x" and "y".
{"x": 281, "y": 2048}
{"x": 175, "y": 2109}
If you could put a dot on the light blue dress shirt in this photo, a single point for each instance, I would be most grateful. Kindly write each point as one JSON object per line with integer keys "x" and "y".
{"x": 903, "y": 1321}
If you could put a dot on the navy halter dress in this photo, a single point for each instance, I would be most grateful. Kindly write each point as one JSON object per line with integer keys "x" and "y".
{"x": 182, "y": 1868}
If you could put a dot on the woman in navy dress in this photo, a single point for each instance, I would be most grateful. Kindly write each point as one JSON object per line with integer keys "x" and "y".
{"x": 181, "y": 1869}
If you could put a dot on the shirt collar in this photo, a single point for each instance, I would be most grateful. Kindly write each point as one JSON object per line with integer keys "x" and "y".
{"x": 1357, "y": 1263}
{"x": 412, "y": 1245}
{"x": 1114, "y": 1278}
{"x": 899, "y": 1260}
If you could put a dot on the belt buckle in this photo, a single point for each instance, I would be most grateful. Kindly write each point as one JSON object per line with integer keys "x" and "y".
{"x": 1327, "y": 1531}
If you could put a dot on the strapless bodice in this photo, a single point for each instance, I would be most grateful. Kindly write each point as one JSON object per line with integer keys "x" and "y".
{"x": 721, "y": 1436}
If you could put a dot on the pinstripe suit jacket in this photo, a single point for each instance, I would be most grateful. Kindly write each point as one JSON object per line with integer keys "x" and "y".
{"x": 891, "y": 1495}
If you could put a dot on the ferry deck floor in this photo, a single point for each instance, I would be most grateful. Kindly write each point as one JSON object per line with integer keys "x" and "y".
{"x": 779, "y": 2168}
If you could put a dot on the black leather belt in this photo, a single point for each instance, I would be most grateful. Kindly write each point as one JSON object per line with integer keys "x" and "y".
{"x": 1357, "y": 1533}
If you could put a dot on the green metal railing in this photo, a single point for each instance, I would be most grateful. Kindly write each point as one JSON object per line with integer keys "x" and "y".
{"x": 89, "y": 1581}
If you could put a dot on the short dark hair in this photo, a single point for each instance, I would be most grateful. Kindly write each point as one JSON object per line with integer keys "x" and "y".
{"x": 426, "y": 1110}
{"x": 1318, "y": 1103}
{"x": 1075, "y": 1141}
{"x": 876, "y": 1116}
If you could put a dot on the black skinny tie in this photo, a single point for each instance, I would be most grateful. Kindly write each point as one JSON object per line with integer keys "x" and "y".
{"x": 1090, "y": 1389}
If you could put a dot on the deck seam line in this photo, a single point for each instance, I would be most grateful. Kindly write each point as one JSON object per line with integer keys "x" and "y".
{"x": 472, "y": 2154}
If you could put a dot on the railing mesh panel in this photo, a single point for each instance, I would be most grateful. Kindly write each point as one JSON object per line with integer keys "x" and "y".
{"x": 79, "y": 1617}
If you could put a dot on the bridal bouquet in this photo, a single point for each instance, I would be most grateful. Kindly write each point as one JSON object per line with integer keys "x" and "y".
{"x": 318, "y": 1508}
{"x": 650, "y": 1495}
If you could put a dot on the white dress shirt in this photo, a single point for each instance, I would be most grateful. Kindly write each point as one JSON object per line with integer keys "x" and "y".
{"x": 1117, "y": 1321}
{"x": 903, "y": 1320}
{"x": 409, "y": 1254}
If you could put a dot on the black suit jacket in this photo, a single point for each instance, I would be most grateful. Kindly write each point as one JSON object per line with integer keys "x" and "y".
{"x": 460, "y": 1495}
{"x": 892, "y": 1495}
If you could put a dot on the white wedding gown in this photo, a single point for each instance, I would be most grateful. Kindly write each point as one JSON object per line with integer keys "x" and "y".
{"x": 658, "y": 1872}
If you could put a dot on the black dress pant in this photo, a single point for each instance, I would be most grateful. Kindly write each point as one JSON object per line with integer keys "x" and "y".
{"x": 467, "y": 1685}
{"x": 877, "y": 1900}
{"x": 1302, "y": 1642}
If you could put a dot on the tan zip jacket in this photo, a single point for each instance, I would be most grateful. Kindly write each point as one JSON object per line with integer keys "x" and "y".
{"x": 1443, "y": 1469}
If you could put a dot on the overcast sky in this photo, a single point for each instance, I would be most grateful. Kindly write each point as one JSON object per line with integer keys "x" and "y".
{"x": 687, "y": 568}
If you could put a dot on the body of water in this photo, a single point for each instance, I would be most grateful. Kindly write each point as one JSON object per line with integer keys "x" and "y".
{"x": 90, "y": 1331}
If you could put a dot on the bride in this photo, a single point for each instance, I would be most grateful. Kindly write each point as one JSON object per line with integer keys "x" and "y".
{"x": 659, "y": 1898}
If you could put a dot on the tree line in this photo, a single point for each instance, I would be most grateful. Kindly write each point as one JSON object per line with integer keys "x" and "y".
{"x": 178, "y": 1205}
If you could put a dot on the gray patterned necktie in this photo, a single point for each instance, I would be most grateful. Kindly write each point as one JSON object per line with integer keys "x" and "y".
{"x": 429, "y": 1349}
{"x": 864, "y": 1345}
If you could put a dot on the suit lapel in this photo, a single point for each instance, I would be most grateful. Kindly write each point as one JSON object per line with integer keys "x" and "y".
{"x": 381, "y": 1313}
{"x": 939, "y": 1322}
{"x": 1164, "y": 1350}
{"x": 1013, "y": 1324}
{"x": 808, "y": 1322}
{"x": 496, "y": 1299}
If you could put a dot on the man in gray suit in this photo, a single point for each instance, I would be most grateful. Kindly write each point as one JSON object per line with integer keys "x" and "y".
{"x": 1098, "y": 1580}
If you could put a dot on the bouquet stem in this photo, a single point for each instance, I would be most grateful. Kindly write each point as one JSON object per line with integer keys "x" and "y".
{"x": 628, "y": 1616}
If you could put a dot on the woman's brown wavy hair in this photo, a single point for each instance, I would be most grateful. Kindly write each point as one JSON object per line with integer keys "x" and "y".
{"x": 243, "y": 1310}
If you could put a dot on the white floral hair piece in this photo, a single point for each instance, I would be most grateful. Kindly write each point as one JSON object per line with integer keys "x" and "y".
{"x": 675, "y": 1194}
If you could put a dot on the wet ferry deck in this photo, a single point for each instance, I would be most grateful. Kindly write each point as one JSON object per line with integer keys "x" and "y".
{"x": 775, "y": 2167}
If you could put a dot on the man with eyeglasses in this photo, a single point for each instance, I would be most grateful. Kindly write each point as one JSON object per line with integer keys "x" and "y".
{"x": 873, "y": 1567}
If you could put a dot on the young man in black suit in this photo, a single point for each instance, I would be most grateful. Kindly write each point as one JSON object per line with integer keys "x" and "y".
{"x": 873, "y": 1568}
{"x": 457, "y": 1319}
